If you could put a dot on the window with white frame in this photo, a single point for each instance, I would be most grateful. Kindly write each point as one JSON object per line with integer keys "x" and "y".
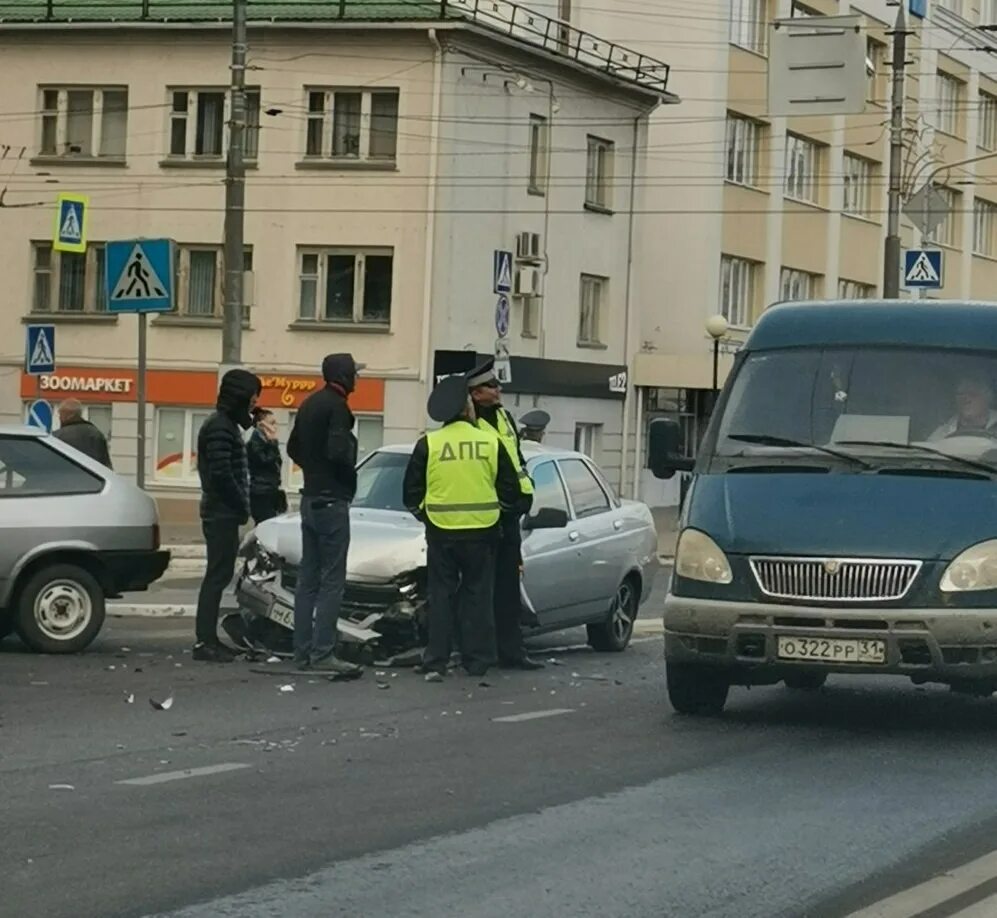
{"x": 743, "y": 146}
{"x": 984, "y": 227}
{"x": 68, "y": 282}
{"x": 80, "y": 122}
{"x": 737, "y": 290}
{"x": 588, "y": 440}
{"x": 802, "y": 169}
{"x": 539, "y": 153}
{"x": 591, "y": 308}
{"x": 352, "y": 124}
{"x": 875, "y": 52}
{"x": 176, "y": 444}
{"x": 200, "y": 280}
{"x": 369, "y": 431}
{"x": 798, "y": 285}
{"x": 950, "y": 102}
{"x": 987, "y": 135}
{"x": 199, "y": 119}
{"x": 947, "y": 232}
{"x": 855, "y": 290}
{"x": 858, "y": 185}
{"x": 599, "y": 173}
{"x": 98, "y": 415}
{"x": 748, "y": 23}
{"x": 345, "y": 286}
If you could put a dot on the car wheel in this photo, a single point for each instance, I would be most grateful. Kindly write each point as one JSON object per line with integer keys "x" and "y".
{"x": 696, "y": 690}
{"x": 614, "y": 634}
{"x": 805, "y": 681}
{"x": 60, "y": 609}
{"x": 6, "y": 624}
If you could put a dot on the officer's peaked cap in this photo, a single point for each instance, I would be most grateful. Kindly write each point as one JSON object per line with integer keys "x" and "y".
{"x": 482, "y": 373}
{"x": 537, "y": 419}
{"x": 448, "y": 400}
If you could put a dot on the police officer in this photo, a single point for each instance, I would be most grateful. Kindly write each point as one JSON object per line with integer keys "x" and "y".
{"x": 534, "y": 425}
{"x": 487, "y": 396}
{"x": 457, "y": 481}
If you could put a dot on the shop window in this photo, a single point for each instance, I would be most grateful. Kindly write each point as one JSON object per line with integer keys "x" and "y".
{"x": 98, "y": 415}
{"x": 176, "y": 444}
{"x": 370, "y": 436}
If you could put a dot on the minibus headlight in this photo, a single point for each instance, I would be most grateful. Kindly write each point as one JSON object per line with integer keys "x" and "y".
{"x": 698, "y": 557}
{"x": 974, "y": 569}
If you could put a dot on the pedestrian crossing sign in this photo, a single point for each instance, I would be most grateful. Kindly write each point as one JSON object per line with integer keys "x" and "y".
{"x": 39, "y": 357}
{"x": 139, "y": 275}
{"x": 71, "y": 213}
{"x": 923, "y": 269}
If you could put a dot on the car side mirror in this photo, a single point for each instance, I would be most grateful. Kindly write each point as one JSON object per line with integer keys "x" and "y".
{"x": 546, "y": 518}
{"x": 664, "y": 439}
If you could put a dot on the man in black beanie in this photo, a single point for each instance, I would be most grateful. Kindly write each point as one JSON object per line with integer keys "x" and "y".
{"x": 323, "y": 444}
{"x": 224, "y": 473}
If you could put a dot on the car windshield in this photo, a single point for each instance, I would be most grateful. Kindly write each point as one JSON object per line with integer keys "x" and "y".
{"x": 379, "y": 482}
{"x": 910, "y": 404}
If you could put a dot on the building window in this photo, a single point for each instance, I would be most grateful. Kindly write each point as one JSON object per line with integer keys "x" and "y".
{"x": 748, "y": 22}
{"x": 987, "y": 137}
{"x": 588, "y": 438}
{"x": 98, "y": 415}
{"x": 370, "y": 436}
{"x": 946, "y": 233}
{"x": 539, "y": 153}
{"x": 67, "y": 282}
{"x": 984, "y": 225}
{"x": 83, "y": 123}
{"x": 950, "y": 91}
{"x": 200, "y": 280}
{"x": 347, "y": 286}
{"x": 599, "y": 174}
{"x": 198, "y": 119}
{"x": 531, "y": 316}
{"x": 874, "y": 54}
{"x": 798, "y": 285}
{"x": 743, "y": 143}
{"x": 802, "y": 11}
{"x": 592, "y": 305}
{"x": 855, "y": 290}
{"x": 352, "y": 124}
{"x": 802, "y": 169}
{"x": 737, "y": 290}
{"x": 858, "y": 185}
{"x": 176, "y": 443}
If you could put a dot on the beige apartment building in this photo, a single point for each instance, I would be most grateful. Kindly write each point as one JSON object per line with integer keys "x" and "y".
{"x": 743, "y": 209}
{"x": 392, "y": 152}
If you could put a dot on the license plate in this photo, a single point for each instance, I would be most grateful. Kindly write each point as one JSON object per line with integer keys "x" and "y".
{"x": 283, "y": 615}
{"x": 831, "y": 650}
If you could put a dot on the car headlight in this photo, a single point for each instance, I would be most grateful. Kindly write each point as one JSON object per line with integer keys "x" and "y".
{"x": 974, "y": 569}
{"x": 698, "y": 557}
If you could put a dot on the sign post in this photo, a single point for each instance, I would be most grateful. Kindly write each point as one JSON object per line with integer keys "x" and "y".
{"x": 139, "y": 276}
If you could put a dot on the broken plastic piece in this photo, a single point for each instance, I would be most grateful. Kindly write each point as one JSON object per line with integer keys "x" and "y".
{"x": 163, "y": 705}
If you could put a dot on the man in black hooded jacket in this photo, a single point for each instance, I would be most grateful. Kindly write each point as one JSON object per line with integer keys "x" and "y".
{"x": 224, "y": 472}
{"x": 323, "y": 444}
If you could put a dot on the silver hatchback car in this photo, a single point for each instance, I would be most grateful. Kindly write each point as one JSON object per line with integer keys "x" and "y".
{"x": 72, "y": 534}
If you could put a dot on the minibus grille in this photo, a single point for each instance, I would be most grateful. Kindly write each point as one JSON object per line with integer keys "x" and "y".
{"x": 834, "y": 579}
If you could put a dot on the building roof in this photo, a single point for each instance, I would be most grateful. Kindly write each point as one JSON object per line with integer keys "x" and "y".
{"x": 903, "y": 323}
{"x": 496, "y": 17}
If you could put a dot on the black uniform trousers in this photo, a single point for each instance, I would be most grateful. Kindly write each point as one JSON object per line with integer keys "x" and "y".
{"x": 461, "y": 578}
{"x": 221, "y": 537}
{"x": 508, "y": 605}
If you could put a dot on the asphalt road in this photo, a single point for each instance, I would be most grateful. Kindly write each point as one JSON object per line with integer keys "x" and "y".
{"x": 570, "y": 792}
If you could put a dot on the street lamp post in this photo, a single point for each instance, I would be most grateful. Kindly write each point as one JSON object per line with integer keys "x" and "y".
{"x": 716, "y": 328}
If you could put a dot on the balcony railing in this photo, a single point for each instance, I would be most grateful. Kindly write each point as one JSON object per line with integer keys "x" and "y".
{"x": 500, "y": 16}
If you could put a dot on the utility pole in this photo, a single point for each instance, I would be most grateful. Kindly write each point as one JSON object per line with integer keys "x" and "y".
{"x": 891, "y": 260}
{"x": 235, "y": 195}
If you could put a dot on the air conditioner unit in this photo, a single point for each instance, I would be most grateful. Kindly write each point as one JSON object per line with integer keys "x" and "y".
{"x": 528, "y": 282}
{"x": 528, "y": 247}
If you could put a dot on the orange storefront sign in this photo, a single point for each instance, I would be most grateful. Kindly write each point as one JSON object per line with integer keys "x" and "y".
{"x": 186, "y": 388}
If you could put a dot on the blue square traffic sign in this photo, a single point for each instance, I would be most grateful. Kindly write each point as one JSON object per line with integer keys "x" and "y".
{"x": 923, "y": 269}
{"x": 140, "y": 275}
{"x": 39, "y": 355}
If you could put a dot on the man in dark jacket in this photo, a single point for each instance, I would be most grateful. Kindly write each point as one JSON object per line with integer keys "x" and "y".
{"x": 79, "y": 433}
{"x": 224, "y": 472}
{"x": 322, "y": 443}
{"x": 266, "y": 499}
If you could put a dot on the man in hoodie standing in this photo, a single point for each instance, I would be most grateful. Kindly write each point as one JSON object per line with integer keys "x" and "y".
{"x": 224, "y": 472}
{"x": 323, "y": 444}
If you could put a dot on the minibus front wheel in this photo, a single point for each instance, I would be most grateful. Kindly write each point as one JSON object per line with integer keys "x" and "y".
{"x": 696, "y": 690}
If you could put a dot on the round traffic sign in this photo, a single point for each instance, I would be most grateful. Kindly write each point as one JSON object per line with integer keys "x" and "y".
{"x": 40, "y": 415}
{"x": 502, "y": 316}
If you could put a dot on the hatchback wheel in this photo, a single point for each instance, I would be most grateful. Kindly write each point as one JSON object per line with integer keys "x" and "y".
{"x": 60, "y": 609}
{"x": 614, "y": 634}
{"x": 696, "y": 690}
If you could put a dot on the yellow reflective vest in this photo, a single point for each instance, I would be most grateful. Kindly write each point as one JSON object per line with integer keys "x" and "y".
{"x": 461, "y": 471}
{"x": 510, "y": 439}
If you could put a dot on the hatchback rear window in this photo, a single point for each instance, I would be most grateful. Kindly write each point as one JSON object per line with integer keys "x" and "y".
{"x": 30, "y": 468}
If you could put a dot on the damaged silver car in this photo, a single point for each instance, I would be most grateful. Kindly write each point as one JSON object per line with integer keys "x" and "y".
{"x": 589, "y": 558}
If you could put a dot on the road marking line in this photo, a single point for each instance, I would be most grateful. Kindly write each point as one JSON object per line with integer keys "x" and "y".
{"x": 936, "y": 891}
{"x": 532, "y": 715}
{"x": 165, "y": 776}
{"x": 985, "y": 909}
